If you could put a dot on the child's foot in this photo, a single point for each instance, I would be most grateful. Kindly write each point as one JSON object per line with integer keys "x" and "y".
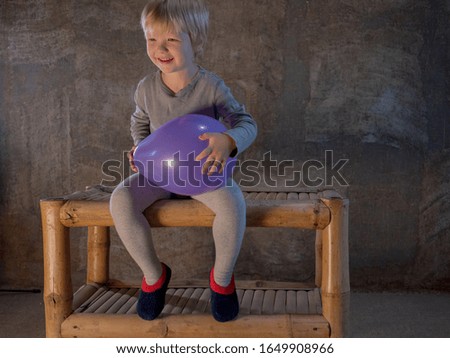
{"x": 224, "y": 301}
{"x": 152, "y": 297}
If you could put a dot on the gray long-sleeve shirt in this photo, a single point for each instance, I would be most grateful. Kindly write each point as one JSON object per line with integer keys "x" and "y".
{"x": 206, "y": 94}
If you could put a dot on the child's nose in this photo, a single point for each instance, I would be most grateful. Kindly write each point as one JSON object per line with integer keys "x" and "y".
{"x": 162, "y": 47}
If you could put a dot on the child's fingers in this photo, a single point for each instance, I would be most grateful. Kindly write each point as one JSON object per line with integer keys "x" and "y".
{"x": 208, "y": 150}
{"x": 222, "y": 166}
{"x": 216, "y": 167}
{"x": 133, "y": 166}
{"x": 206, "y": 165}
{"x": 216, "y": 153}
{"x": 205, "y": 152}
{"x": 213, "y": 166}
{"x": 130, "y": 156}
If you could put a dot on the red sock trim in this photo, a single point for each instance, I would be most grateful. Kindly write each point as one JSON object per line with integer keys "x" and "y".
{"x": 220, "y": 289}
{"x": 157, "y": 285}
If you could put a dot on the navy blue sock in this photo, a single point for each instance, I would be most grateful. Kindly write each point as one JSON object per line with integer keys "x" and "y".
{"x": 152, "y": 297}
{"x": 224, "y": 301}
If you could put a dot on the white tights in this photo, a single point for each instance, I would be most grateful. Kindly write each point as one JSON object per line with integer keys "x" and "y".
{"x": 135, "y": 194}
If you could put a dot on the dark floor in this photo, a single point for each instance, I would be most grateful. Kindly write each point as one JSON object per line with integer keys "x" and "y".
{"x": 382, "y": 315}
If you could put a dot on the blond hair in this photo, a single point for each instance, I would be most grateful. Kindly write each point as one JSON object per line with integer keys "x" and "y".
{"x": 189, "y": 16}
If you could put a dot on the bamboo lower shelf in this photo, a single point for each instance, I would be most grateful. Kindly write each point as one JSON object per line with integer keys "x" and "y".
{"x": 290, "y": 312}
{"x": 106, "y": 308}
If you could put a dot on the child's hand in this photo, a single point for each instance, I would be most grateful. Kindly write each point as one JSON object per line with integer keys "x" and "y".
{"x": 219, "y": 148}
{"x": 131, "y": 159}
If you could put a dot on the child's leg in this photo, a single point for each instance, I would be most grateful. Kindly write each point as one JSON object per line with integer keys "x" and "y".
{"x": 228, "y": 229}
{"x": 128, "y": 201}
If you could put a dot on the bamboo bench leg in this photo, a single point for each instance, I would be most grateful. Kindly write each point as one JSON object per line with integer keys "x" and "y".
{"x": 335, "y": 270}
{"x": 57, "y": 276}
{"x": 98, "y": 254}
{"x": 318, "y": 249}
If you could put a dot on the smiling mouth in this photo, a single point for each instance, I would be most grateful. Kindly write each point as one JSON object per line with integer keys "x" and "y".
{"x": 167, "y": 60}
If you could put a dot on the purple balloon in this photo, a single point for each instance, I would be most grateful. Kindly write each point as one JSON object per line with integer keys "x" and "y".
{"x": 167, "y": 156}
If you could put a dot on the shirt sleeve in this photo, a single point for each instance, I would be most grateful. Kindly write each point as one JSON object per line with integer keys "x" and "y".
{"x": 140, "y": 121}
{"x": 242, "y": 127}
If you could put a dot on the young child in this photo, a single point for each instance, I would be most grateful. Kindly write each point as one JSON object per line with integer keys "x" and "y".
{"x": 176, "y": 31}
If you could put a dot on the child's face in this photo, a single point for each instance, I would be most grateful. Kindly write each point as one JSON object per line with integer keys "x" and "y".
{"x": 171, "y": 51}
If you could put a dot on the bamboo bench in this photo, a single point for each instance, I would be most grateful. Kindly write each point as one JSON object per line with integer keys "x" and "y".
{"x": 104, "y": 308}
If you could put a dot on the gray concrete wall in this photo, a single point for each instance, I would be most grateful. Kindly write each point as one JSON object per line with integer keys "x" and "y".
{"x": 368, "y": 80}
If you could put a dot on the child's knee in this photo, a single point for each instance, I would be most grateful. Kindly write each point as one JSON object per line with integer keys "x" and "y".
{"x": 237, "y": 200}
{"x": 121, "y": 199}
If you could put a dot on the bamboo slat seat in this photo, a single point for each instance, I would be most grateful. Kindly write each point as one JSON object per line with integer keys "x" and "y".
{"x": 106, "y": 308}
{"x": 102, "y": 299}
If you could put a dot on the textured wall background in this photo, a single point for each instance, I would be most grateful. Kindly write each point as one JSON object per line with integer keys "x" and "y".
{"x": 368, "y": 80}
